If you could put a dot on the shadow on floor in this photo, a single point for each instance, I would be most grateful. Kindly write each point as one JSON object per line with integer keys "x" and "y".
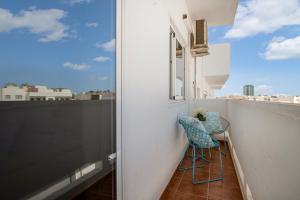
{"x": 181, "y": 186}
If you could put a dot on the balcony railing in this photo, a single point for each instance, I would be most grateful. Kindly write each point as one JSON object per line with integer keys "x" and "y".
{"x": 264, "y": 142}
{"x": 52, "y": 146}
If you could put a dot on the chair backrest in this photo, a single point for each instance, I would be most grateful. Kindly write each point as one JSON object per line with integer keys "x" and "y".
{"x": 214, "y": 123}
{"x": 225, "y": 123}
{"x": 196, "y": 132}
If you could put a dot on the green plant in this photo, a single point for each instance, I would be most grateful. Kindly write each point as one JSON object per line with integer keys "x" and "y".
{"x": 200, "y": 116}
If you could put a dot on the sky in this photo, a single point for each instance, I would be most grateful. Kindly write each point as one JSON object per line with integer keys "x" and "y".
{"x": 58, "y": 43}
{"x": 71, "y": 44}
{"x": 265, "y": 47}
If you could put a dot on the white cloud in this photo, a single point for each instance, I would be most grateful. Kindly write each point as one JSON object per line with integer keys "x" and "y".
{"x": 45, "y": 23}
{"x": 281, "y": 48}
{"x": 101, "y": 59}
{"x": 107, "y": 46}
{"x": 92, "y": 25}
{"x": 264, "y": 16}
{"x": 263, "y": 89}
{"x": 79, "y": 67}
{"x": 103, "y": 78}
{"x": 73, "y": 2}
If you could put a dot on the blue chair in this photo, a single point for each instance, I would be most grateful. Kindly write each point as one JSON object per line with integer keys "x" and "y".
{"x": 215, "y": 124}
{"x": 199, "y": 138}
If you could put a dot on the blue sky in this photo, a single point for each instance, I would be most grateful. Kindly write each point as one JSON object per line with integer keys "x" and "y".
{"x": 265, "y": 47}
{"x": 58, "y": 43}
{"x": 70, "y": 43}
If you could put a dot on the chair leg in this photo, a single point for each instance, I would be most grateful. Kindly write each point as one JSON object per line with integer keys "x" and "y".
{"x": 225, "y": 145}
{"x": 203, "y": 156}
{"x": 221, "y": 163}
{"x": 194, "y": 161}
{"x": 209, "y": 180}
{"x": 188, "y": 168}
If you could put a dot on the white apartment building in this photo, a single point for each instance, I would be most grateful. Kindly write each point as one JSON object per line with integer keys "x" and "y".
{"x": 12, "y": 92}
{"x": 42, "y": 93}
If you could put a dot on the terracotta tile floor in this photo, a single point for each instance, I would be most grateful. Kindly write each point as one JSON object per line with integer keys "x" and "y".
{"x": 181, "y": 186}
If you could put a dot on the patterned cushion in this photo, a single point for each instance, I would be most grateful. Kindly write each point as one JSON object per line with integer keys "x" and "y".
{"x": 213, "y": 123}
{"x": 196, "y": 133}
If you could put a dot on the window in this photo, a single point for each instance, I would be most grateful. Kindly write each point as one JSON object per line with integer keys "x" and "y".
{"x": 19, "y": 97}
{"x": 177, "y": 68}
{"x": 70, "y": 53}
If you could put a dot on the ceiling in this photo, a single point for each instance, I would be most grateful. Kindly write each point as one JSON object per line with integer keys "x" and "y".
{"x": 216, "y": 12}
{"x": 217, "y": 82}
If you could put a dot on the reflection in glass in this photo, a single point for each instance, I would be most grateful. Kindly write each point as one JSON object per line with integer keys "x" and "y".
{"x": 57, "y": 98}
{"x": 180, "y": 71}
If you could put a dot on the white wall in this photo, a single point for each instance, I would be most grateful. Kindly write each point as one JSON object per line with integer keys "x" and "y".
{"x": 153, "y": 145}
{"x": 214, "y": 105}
{"x": 265, "y": 145}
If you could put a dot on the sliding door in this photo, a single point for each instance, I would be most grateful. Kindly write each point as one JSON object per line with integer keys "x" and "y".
{"x": 57, "y": 99}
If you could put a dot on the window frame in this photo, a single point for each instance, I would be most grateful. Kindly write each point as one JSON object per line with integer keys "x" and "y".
{"x": 174, "y": 37}
{"x": 19, "y": 97}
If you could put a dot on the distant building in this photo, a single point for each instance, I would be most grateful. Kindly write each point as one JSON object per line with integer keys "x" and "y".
{"x": 84, "y": 96}
{"x": 285, "y": 99}
{"x": 42, "y": 93}
{"x": 12, "y": 92}
{"x": 95, "y": 95}
{"x": 248, "y": 90}
{"x": 25, "y": 92}
{"x": 266, "y": 98}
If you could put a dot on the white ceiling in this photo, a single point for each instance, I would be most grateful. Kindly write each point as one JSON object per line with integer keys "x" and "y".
{"x": 216, "y": 12}
{"x": 217, "y": 80}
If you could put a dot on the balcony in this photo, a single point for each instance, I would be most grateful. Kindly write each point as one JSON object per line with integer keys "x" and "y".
{"x": 201, "y": 9}
{"x": 216, "y": 65}
{"x": 263, "y": 142}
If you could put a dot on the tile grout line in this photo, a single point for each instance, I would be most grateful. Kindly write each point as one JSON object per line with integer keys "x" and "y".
{"x": 208, "y": 179}
{"x": 179, "y": 183}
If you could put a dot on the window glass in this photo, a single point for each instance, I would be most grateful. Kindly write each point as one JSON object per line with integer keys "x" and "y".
{"x": 57, "y": 99}
{"x": 180, "y": 71}
{"x": 177, "y": 68}
{"x": 18, "y": 97}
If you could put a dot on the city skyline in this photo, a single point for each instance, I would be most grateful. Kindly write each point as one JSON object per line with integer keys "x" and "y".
{"x": 265, "y": 52}
{"x": 68, "y": 48}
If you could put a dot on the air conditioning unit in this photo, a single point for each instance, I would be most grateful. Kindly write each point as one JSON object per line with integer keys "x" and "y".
{"x": 199, "y": 42}
{"x": 179, "y": 50}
